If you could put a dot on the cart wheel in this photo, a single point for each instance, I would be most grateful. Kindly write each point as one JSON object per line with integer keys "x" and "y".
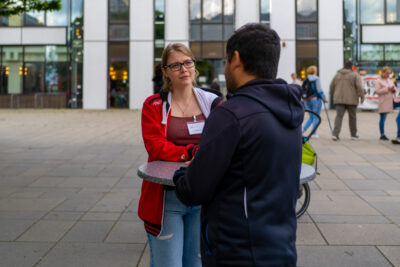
{"x": 303, "y": 200}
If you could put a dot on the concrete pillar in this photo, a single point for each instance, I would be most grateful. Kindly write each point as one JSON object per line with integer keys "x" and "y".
{"x": 95, "y": 54}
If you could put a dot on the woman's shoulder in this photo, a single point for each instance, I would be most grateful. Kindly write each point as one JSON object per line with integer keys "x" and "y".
{"x": 153, "y": 99}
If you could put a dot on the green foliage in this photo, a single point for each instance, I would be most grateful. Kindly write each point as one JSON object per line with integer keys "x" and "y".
{"x": 15, "y": 7}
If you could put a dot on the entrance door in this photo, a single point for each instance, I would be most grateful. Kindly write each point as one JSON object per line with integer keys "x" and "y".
{"x": 34, "y": 77}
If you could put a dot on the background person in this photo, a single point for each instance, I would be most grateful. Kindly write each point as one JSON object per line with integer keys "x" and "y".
{"x": 215, "y": 85}
{"x": 245, "y": 172}
{"x": 346, "y": 90}
{"x": 315, "y": 103}
{"x": 385, "y": 89}
{"x": 295, "y": 80}
{"x": 173, "y": 229}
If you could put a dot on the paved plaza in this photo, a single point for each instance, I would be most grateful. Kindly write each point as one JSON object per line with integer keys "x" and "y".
{"x": 69, "y": 192}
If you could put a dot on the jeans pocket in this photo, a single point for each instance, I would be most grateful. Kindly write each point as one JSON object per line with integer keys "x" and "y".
{"x": 205, "y": 242}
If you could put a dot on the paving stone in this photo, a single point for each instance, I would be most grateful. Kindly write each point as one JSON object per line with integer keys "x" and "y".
{"x": 47, "y": 231}
{"x": 341, "y": 205}
{"x": 47, "y": 182}
{"x": 93, "y": 255}
{"x": 349, "y": 219}
{"x": 308, "y": 234}
{"x": 387, "y": 208}
{"x": 88, "y": 232}
{"x": 129, "y": 183}
{"x": 21, "y": 215}
{"x": 76, "y": 171}
{"x": 11, "y": 229}
{"x": 392, "y": 253}
{"x": 333, "y": 184}
{"x": 113, "y": 171}
{"x": 90, "y": 182}
{"x": 348, "y": 174}
{"x": 130, "y": 216}
{"x": 113, "y": 202}
{"x": 101, "y": 216}
{"x": 360, "y": 234}
{"x": 11, "y": 181}
{"x": 26, "y": 195}
{"x": 372, "y": 185}
{"x": 36, "y": 171}
{"x": 80, "y": 202}
{"x": 21, "y": 253}
{"x": 127, "y": 232}
{"x": 334, "y": 256}
{"x": 13, "y": 170}
{"x": 26, "y": 204}
{"x": 63, "y": 216}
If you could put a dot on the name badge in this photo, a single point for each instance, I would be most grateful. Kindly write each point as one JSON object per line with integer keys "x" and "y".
{"x": 195, "y": 127}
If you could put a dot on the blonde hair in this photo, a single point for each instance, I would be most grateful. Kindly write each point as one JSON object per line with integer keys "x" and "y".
{"x": 312, "y": 70}
{"x": 386, "y": 68}
{"x": 177, "y": 47}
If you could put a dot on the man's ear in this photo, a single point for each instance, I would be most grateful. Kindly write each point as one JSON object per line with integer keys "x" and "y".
{"x": 236, "y": 62}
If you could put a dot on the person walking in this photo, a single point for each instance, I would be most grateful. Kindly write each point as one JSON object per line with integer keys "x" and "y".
{"x": 245, "y": 172}
{"x": 173, "y": 229}
{"x": 385, "y": 89}
{"x": 315, "y": 102}
{"x": 215, "y": 85}
{"x": 346, "y": 90}
{"x": 295, "y": 80}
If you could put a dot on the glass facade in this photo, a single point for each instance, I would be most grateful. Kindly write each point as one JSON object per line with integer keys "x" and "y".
{"x": 52, "y": 71}
{"x": 211, "y": 25}
{"x": 118, "y": 54}
{"x": 159, "y": 29}
{"x": 265, "y": 12}
{"x": 370, "y": 57}
{"x": 306, "y": 35}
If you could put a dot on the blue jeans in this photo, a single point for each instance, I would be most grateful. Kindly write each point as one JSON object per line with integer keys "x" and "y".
{"x": 178, "y": 244}
{"x": 397, "y": 105}
{"x": 314, "y": 105}
{"x": 382, "y": 119}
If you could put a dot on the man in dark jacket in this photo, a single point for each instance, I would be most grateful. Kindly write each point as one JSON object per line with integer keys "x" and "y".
{"x": 245, "y": 173}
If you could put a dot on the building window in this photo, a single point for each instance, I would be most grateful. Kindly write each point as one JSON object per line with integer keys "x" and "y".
{"x": 370, "y": 57}
{"x": 211, "y": 25}
{"x": 265, "y": 12}
{"x": 306, "y": 35}
{"x": 159, "y": 29}
{"x": 118, "y": 54}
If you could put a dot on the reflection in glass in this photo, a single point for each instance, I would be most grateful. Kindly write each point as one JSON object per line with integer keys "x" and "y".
{"x": 58, "y": 18}
{"x": 56, "y": 53}
{"x": 195, "y": 32}
{"x": 212, "y": 50}
{"x": 307, "y": 10}
{"x": 118, "y": 96}
{"x": 371, "y": 52}
{"x": 13, "y": 21}
{"x": 34, "y": 18}
{"x": 306, "y": 49}
{"x": 265, "y": 10}
{"x": 372, "y": 11}
{"x": 76, "y": 10}
{"x": 212, "y": 10}
{"x": 195, "y": 11}
{"x": 119, "y": 11}
{"x": 229, "y": 7}
{"x": 393, "y": 11}
{"x": 119, "y": 32}
{"x": 33, "y": 77}
{"x": 212, "y": 32}
{"x": 196, "y": 49}
{"x": 159, "y": 30}
{"x": 228, "y": 31}
{"x": 12, "y": 70}
{"x": 306, "y": 31}
{"x": 350, "y": 31}
{"x": 392, "y": 52}
{"x": 56, "y": 76}
{"x": 34, "y": 53}
{"x": 158, "y": 49}
{"x": 159, "y": 10}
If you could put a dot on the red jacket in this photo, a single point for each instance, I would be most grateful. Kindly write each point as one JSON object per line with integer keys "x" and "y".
{"x": 155, "y": 120}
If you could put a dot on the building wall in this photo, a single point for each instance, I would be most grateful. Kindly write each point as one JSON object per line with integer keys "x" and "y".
{"x": 330, "y": 27}
{"x": 246, "y": 11}
{"x": 283, "y": 22}
{"x": 95, "y": 54}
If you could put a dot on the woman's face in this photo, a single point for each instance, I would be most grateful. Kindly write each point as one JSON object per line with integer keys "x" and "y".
{"x": 386, "y": 74}
{"x": 180, "y": 75}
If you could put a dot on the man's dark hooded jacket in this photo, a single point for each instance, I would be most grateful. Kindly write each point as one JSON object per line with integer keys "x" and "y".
{"x": 245, "y": 175}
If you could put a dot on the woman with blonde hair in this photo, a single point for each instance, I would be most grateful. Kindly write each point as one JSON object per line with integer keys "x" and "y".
{"x": 385, "y": 89}
{"x": 172, "y": 123}
{"x": 315, "y": 103}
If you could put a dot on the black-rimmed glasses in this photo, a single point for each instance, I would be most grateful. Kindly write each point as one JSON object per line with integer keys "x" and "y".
{"x": 178, "y": 66}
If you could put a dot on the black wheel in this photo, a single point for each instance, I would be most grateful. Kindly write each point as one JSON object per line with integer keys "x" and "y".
{"x": 303, "y": 199}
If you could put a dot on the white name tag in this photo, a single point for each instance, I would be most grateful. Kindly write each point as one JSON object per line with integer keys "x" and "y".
{"x": 195, "y": 127}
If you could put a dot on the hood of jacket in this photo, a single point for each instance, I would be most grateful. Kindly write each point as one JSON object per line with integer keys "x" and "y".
{"x": 282, "y": 99}
{"x": 312, "y": 77}
{"x": 345, "y": 71}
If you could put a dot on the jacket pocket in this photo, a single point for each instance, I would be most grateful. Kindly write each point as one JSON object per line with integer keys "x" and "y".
{"x": 205, "y": 242}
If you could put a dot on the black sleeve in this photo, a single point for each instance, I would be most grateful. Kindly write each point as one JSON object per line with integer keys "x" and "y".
{"x": 217, "y": 146}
